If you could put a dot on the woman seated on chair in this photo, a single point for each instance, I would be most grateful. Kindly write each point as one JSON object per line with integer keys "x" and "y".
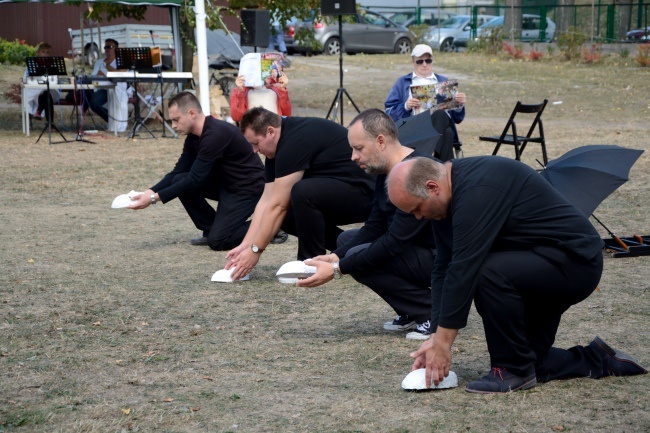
{"x": 274, "y": 95}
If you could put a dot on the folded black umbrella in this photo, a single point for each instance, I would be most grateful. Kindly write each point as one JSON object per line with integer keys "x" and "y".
{"x": 587, "y": 175}
{"x": 428, "y": 133}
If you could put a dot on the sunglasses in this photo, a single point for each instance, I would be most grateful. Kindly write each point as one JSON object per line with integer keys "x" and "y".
{"x": 109, "y": 47}
{"x": 427, "y": 61}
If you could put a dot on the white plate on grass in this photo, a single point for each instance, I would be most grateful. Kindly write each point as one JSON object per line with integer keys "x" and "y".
{"x": 224, "y": 276}
{"x": 415, "y": 381}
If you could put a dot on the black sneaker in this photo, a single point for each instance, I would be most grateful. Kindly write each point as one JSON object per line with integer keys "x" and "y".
{"x": 280, "y": 237}
{"x": 401, "y": 323}
{"x": 500, "y": 380}
{"x": 421, "y": 332}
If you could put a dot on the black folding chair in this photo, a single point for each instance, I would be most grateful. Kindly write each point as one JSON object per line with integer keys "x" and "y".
{"x": 510, "y": 136}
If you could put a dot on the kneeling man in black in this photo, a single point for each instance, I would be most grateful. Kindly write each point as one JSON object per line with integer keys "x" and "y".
{"x": 217, "y": 163}
{"x": 312, "y": 186}
{"x": 507, "y": 240}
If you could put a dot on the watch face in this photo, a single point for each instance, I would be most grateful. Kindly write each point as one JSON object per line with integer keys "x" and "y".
{"x": 255, "y": 248}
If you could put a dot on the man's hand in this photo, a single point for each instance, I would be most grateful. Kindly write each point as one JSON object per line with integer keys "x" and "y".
{"x": 244, "y": 263}
{"x": 141, "y": 200}
{"x": 435, "y": 357}
{"x": 240, "y": 81}
{"x": 324, "y": 271}
{"x": 283, "y": 80}
{"x": 460, "y": 98}
{"x": 412, "y": 103}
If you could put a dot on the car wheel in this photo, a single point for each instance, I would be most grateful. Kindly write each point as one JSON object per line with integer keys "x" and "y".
{"x": 332, "y": 47}
{"x": 447, "y": 45}
{"x": 403, "y": 46}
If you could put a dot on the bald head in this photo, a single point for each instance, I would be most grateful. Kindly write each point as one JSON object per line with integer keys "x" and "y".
{"x": 420, "y": 186}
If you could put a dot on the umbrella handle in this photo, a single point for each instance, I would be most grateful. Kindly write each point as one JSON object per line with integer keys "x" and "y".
{"x": 639, "y": 239}
{"x": 621, "y": 243}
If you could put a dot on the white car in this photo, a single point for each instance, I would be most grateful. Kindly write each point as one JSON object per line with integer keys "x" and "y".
{"x": 530, "y": 28}
{"x": 454, "y": 32}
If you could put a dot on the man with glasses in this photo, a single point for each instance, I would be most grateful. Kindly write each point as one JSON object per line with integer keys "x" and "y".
{"x": 99, "y": 97}
{"x": 401, "y": 103}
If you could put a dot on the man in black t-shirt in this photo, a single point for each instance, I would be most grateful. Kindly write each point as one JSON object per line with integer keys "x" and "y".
{"x": 217, "y": 163}
{"x": 507, "y": 240}
{"x": 393, "y": 252}
{"x": 312, "y": 186}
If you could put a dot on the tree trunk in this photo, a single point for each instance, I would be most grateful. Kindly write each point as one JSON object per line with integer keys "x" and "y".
{"x": 565, "y": 16}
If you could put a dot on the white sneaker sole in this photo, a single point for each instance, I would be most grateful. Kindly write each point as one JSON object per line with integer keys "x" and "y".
{"x": 388, "y": 326}
{"x": 416, "y": 336}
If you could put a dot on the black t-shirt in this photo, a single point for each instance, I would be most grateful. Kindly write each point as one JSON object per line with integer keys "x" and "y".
{"x": 220, "y": 158}
{"x": 498, "y": 204}
{"x": 388, "y": 230}
{"x": 319, "y": 147}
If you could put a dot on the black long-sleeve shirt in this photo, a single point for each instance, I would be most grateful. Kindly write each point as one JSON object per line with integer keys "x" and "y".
{"x": 220, "y": 158}
{"x": 388, "y": 230}
{"x": 498, "y": 204}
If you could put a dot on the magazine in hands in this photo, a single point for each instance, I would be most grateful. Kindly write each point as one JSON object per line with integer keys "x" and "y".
{"x": 438, "y": 96}
{"x": 256, "y": 67}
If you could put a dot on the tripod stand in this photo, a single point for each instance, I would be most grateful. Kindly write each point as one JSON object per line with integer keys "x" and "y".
{"x": 338, "y": 98}
{"x": 134, "y": 59}
{"x": 75, "y": 110}
{"x": 47, "y": 67}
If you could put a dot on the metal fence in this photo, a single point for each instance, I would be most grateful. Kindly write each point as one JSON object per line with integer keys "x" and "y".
{"x": 605, "y": 22}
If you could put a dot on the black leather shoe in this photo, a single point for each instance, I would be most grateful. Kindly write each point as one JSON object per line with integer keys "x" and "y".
{"x": 615, "y": 362}
{"x": 199, "y": 241}
{"x": 280, "y": 237}
{"x": 501, "y": 380}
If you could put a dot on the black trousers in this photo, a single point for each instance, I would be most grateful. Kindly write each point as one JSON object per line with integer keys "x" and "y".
{"x": 46, "y": 105}
{"x": 403, "y": 282}
{"x": 318, "y": 206}
{"x": 521, "y": 296}
{"x": 226, "y": 226}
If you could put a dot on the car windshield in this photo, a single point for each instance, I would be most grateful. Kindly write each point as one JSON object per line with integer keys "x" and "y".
{"x": 454, "y": 22}
{"x": 401, "y": 17}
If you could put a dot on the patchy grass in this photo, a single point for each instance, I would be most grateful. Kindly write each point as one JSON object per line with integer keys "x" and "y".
{"x": 109, "y": 321}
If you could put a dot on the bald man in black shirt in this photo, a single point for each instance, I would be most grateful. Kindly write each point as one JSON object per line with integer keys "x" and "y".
{"x": 507, "y": 240}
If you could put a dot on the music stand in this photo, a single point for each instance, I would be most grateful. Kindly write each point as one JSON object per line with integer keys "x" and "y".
{"x": 75, "y": 108}
{"x": 46, "y": 67}
{"x": 338, "y": 98}
{"x": 135, "y": 59}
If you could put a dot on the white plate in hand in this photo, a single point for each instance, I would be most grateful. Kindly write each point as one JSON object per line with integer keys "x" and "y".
{"x": 224, "y": 276}
{"x": 124, "y": 200}
{"x": 415, "y": 381}
{"x": 296, "y": 269}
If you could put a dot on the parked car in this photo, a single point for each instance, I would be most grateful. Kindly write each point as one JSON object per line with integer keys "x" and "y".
{"x": 530, "y": 28}
{"x": 407, "y": 19}
{"x": 454, "y": 32}
{"x": 369, "y": 32}
{"x": 638, "y": 35}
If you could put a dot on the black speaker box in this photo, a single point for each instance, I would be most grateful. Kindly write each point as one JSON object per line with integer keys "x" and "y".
{"x": 338, "y": 7}
{"x": 255, "y": 28}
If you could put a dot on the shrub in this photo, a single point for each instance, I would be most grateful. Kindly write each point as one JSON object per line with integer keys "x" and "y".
{"x": 14, "y": 52}
{"x": 535, "y": 55}
{"x": 624, "y": 53}
{"x": 570, "y": 43}
{"x": 550, "y": 49}
{"x": 515, "y": 50}
{"x": 643, "y": 54}
{"x": 490, "y": 42}
{"x": 592, "y": 54}
{"x": 420, "y": 31}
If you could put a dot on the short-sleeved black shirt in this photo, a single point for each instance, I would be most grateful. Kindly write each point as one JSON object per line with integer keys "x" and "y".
{"x": 319, "y": 147}
{"x": 220, "y": 158}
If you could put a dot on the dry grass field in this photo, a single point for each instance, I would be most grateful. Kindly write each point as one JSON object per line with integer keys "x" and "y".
{"x": 109, "y": 321}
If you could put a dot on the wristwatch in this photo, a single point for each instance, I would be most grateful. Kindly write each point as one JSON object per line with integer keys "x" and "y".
{"x": 337, "y": 273}
{"x": 153, "y": 199}
{"x": 256, "y": 249}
